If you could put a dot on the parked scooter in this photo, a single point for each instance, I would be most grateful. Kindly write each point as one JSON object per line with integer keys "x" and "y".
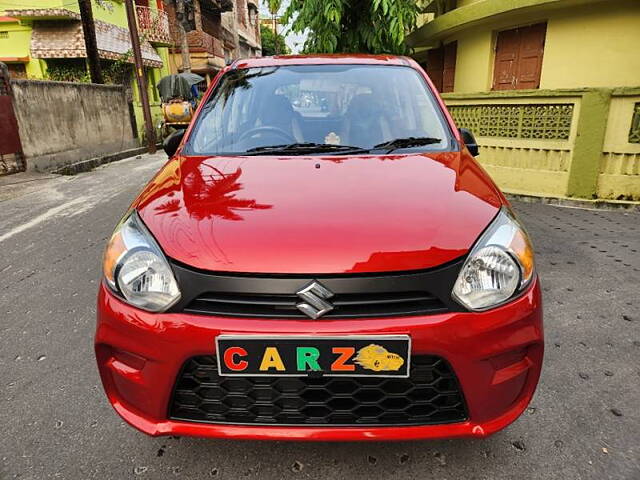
{"x": 179, "y": 95}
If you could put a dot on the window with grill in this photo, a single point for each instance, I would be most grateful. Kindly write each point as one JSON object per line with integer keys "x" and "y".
{"x": 241, "y": 7}
{"x": 634, "y": 132}
{"x": 17, "y": 70}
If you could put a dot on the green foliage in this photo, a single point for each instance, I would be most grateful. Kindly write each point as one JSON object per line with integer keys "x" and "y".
{"x": 115, "y": 72}
{"x": 271, "y": 41}
{"x": 68, "y": 70}
{"x": 274, "y": 6}
{"x": 349, "y": 26}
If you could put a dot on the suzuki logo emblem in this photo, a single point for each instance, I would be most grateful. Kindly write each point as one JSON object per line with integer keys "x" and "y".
{"x": 315, "y": 297}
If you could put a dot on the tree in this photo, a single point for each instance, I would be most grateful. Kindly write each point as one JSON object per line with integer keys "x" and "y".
{"x": 349, "y": 26}
{"x": 274, "y": 8}
{"x": 272, "y": 44}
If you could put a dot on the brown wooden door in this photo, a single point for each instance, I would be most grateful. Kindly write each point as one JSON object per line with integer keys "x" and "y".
{"x": 449, "y": 66}
{"x": 518, "y": 61}
{"x": 435, "y": 66}
{"x": 506, "y": 63}
{"x": 10, "y": 145}
{"x": 441, "y": 66}
{"x": 530, "y": 56}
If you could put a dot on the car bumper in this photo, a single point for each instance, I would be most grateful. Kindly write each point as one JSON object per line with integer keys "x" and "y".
{"x": 496, "y": 355}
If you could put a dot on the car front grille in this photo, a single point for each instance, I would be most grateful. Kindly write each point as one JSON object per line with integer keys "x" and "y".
{"x": 345, "y": 305}
{"x": 353, "y": 296}
{"x": 431, "y": 395}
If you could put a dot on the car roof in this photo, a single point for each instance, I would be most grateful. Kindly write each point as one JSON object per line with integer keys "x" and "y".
{"x": 333, "y": 59}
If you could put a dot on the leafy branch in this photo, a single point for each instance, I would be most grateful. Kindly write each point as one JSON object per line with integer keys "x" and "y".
{"x": 349, "y": 26}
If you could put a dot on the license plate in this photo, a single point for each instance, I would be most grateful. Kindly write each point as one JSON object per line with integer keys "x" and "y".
{"x": 353, "y": 356}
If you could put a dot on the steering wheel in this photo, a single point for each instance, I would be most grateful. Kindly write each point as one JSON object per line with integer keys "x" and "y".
{"x": 268, "y": 129}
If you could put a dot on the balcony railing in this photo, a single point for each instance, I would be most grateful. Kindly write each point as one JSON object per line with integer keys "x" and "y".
{"x": 200, "y": 41}
{"x": 154, "y": 25}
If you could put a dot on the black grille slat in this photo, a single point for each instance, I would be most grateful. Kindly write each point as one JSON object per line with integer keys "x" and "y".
{"x": 345, "y": 305}
{"x": 276, "y": 300}
{"x": 347, "y": 299}
{"x": 431, "y": 395}
{"x": 242, "y": 310}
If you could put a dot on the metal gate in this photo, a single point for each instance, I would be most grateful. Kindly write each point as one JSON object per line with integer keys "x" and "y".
{"x": 11, "y": 156}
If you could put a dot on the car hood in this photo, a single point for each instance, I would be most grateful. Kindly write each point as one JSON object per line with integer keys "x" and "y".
{"x": 266, "y": 214}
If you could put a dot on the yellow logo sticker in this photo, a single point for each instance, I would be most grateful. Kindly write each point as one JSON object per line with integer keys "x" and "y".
{"x": 379, "y": 359}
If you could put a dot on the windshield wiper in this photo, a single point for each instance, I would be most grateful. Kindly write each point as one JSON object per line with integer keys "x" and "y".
{"x": 304, "y": 148}
{"x": 396, "y": 143}
{"x": 309, "y": 147}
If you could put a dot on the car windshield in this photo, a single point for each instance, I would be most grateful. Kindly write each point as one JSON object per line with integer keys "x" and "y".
{"x": 319, "y": 108}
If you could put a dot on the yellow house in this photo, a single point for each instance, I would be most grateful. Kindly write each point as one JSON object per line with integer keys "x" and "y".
{"x": 550, "y": 88}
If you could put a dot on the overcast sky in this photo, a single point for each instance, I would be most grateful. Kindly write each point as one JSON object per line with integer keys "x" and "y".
{"x": 294, "y": 41}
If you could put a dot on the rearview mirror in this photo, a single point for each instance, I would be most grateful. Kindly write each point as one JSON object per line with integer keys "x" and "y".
{"x": 172, "y": 142}
{"x": 470, "y": 141}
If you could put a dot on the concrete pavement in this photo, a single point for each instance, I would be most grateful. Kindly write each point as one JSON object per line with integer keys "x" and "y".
{"x": 584, "y": 422}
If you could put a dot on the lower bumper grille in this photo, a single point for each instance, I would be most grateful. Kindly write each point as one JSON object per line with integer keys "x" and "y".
{"x": 431, "y": 395}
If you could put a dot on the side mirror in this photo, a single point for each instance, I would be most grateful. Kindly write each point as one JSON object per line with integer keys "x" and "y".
{"x": 172, "y": 142}
{"x": 470, "y": 141}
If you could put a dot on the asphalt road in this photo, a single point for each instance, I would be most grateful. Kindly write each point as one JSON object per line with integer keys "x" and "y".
{"x": 584, "y": 422}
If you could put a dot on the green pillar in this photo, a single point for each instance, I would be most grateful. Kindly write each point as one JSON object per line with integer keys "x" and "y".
{"x": 36, "y": 68}
{"x": 587, "y": 149}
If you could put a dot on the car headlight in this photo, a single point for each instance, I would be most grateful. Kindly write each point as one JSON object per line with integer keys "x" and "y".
{"x": 136, "y": 269}
{"x": 499, "y": 265}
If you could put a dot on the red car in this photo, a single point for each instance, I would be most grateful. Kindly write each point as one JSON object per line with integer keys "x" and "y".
{"x": 321, "y": 258}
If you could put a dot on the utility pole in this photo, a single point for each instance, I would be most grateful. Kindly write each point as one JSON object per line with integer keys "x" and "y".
{"x": 274, "y": 8}
{"x": 91, "y": 44}
{"x": 184, "y": 41}
{"x": 142, "y": 82}
{"x": 275, "y": 35}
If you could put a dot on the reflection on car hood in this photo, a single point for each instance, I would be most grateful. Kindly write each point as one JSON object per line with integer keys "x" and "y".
{"x": 319, "y": 214}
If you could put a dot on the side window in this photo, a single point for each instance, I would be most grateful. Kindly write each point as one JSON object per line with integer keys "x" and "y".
{"x": 518, "y": 60}
{"x": 212, "y": 126}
